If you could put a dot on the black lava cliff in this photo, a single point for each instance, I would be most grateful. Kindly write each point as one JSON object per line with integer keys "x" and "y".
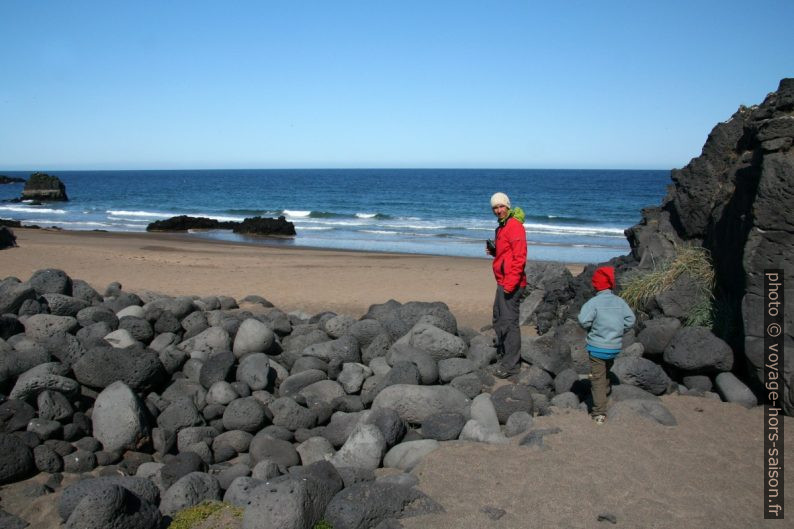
{"x": 736, "y": 199}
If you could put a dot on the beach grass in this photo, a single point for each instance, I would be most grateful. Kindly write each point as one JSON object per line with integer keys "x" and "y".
{"x": 639, "y": 288}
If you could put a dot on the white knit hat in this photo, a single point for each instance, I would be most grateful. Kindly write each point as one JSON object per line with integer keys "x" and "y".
{"x": 500, "y": 199}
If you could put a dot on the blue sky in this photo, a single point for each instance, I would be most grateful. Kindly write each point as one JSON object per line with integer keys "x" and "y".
{"x": 507, "y": 84}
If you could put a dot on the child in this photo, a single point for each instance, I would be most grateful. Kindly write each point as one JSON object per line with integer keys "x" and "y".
{"x": 606, "y": 317}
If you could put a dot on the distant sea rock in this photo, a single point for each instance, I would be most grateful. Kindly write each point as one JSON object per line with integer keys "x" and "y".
{"x": 265, "y": 226}
{"x": 253, "y": 225}
{"x": 10, "y": 180}
{"x": 41, "y": 186}
{"x": 184, "y": 223}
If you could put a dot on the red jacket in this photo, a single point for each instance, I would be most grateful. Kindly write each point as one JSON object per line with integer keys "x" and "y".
{"x": 511, "y": 255}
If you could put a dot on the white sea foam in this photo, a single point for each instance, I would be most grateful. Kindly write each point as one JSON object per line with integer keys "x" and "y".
{"x": 291, "y": 213}
{"x": 383, "y": 232}
{"x": 573, "y": 230}
{"x": 68, "y": 222}
{"x": 137, "y": 213}
{"x": 316, "y": 228}
{"x": 300, "y": 222}
{"x": 366, "y": 215}
{"x": 31, "y": 209}
{"x": 220, "y": 218}
{"x": 141, "y": 221}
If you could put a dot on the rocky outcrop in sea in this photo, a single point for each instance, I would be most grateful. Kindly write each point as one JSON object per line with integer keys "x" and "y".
{"x": 253, "y": 225}
{"x": 734, "y": 201}
{"x": 42, "y": 186}
{"x": 10, "y": 180}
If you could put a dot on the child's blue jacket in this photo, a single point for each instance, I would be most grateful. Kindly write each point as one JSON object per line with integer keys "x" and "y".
{"x": 606, "y": 317}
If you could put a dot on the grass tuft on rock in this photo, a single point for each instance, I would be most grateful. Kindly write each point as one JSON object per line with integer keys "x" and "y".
{"x": 639, "y": 288}
{"x": 323, "y": 524}
{"x": 190, "y": 517}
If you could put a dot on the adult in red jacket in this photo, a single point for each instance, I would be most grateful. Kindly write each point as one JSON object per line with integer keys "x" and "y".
{"x": 510, "y": 257}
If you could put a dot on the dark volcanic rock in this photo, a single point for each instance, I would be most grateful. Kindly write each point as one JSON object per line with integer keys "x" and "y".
{"x": 137, "y": 368}
{"x": 51, "y": 281}
{"x": 511, "y": 398}
{"x": 443, "y": 426}
{"x": 113, "y": 506}
{"x": 696, "y": 348}
{"x": 13, "y": 294}
{"x": 735, "y": 201}
{"x": 253, "y": 225}
{"x": 73, "y": 494}
{"x": 41, "y": 186}
{"x": 642, "y": 373}
{"x": 184, "y": 223}
{"x": 16, "y": 459}
{"x": 265, "y": 226}
{"x": 11, "y": 180}
{"x": 368, "y": 504}
{"x": 7, "y": 238}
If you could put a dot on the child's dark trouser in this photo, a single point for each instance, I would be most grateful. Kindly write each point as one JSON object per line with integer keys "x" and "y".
{"x": 505, "y": 325}
{"x": 599, "y": 383}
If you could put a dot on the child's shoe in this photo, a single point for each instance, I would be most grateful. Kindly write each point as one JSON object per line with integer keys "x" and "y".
{"x": 599, "y": 419}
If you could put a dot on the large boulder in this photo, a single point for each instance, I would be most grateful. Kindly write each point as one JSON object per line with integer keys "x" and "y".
{"x": 406, "y": 456}
{"x": 101, "y": 366}
{"x": 698, "y": 349}
{"x": 657, "y": 334}
{"x": 424, "y": 361}
{"x": 254, "y": 369}
{"x": 210, "y": 341}
{"x": 546, "y": 352}
{"x": 363, "y": 449}
{"x": 369, "y": 503}
{"x": 16, "y": 459}
{"x": 416, "y": 403}
{"x": 43, "y": 377}
{"x": 296, "y": 501}
{"x": 734, "y": 390}
{"x": 13, "y": 294}
{"x": 113, "y": 506}
{"x": 439, "y": 343}
{"x": 119, "y": 419}
{"x": 142, "y": 488}
{"x": 253, "y": 336}
{"x": 188, "y": 491}
{"x": 263, "y": 446}
{"x": 41, "y": 327}
{"x": 643, "y": 373}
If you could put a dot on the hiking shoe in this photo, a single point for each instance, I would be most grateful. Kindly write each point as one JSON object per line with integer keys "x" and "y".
{"x": 599, "y": 419}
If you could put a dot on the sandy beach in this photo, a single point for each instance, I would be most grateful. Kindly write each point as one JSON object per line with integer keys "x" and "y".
{"x": 705, "y": 472}
{"x": 310, "y": 280}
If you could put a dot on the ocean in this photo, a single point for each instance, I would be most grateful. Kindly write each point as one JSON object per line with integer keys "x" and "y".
{"x": 571, "y": 215}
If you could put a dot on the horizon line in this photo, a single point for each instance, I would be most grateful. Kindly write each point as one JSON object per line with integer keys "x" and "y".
{"x": 46, "y": 170}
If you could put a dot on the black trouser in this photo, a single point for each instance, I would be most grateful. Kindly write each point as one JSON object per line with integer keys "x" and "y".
{"x": 505, "y": 325}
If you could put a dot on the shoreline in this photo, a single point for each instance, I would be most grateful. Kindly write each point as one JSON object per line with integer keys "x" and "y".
{"x": 292, "y": 278}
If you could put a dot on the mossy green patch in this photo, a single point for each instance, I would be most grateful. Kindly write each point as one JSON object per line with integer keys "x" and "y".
{"x": 190, "y": 517}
